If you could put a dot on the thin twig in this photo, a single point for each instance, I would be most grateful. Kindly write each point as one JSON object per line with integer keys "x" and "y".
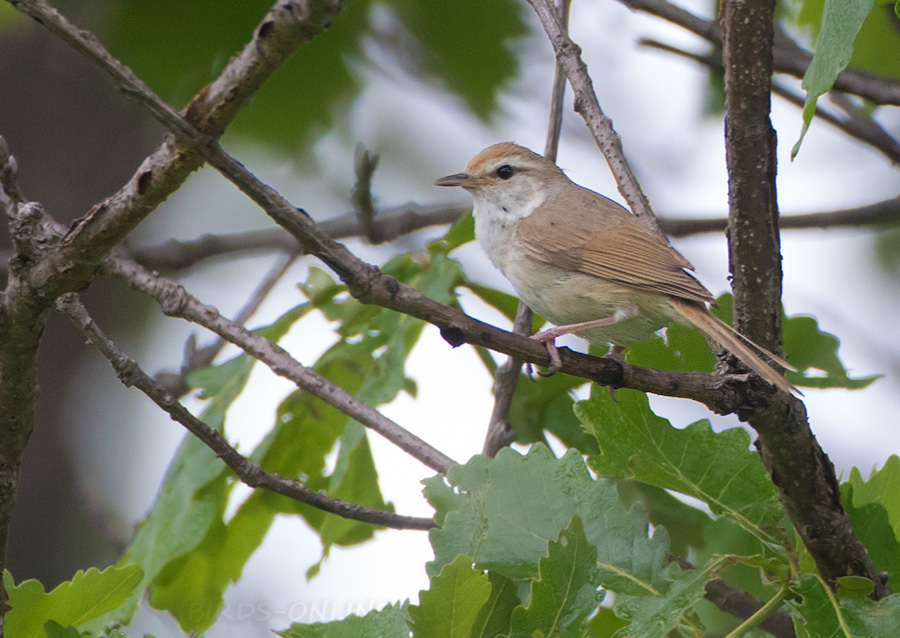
{"x": 176, "y": 302}
{"x": 568, "y": 54}
{"x": 789, "y": 58}
{"x": 390, "y": 224}
{"x": 130, "y": 373}
{"x": 499, "y": 433}
{"x": 856, "y": 124}
{"x": 364, "y": 166}
{"x": 196, "y": 358}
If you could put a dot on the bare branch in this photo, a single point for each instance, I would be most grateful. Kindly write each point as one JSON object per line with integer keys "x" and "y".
{"x": 881, "y": 213}
{"x": 176, "y": 302}
{"x": 250, "y": 473}
{"x": 568, "y": 55}
{"x": 855, "y": 123}
{"x": 500, "y": 434}
{"x": 788, "y": 57}
{"x": 364, "y": 165}
{"x": 203, "y": 357}
{"x": 390, "y": 224}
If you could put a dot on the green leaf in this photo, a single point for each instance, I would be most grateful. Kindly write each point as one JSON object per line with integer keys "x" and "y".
{"x": 651, "y": 616}
{"x": 683, "y": 349}
{"x": 87, "y": 596}
{"x": 717, "y": 468}
{"x": 565, "y": 593}
{"x": 874, "y": 510}
{"x": 389, "y": 622}
{"x": 477, "y": 70}
{"x": 461, "y": 232}
{"x": 503, "y": 511}
{"x": 819, "y": 612}
{"x": 686, "y": 525}
{"x": 547, "y": 404}
{"x": 841, "y": 22}
{"x": 453, "y": 602}
{"x": 810, "y": 349}
{"x": 493, "y": 619}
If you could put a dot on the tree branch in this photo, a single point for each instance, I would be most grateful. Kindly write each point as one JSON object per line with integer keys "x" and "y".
{"x": 856, "y": 124}
{"x": 881, "y": 213}
{"x": 200, "y": 358}
{"x": 23, "y": 315}
{"x": 789, "y": 58}
{"x": 176, "y": 302}
{"x": 506, "y": 378}
{"x": 252, "y": 474}
{"x": 798, "y": 466}
{"x": 390, "y": 224}
{"x": 568, "y": 56}
{"x": 364, "y": 166}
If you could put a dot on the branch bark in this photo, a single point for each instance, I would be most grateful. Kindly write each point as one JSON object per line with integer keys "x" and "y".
{"x": 798, "y": 466}
{"x": 131, "y": 375}
{"x": 177, "y": 302}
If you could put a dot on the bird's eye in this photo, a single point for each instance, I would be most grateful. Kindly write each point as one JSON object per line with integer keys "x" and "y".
{"x": 505, "y": 171}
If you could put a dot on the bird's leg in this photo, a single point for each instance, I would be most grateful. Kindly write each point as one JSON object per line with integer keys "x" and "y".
{"x": 549, "y": 336}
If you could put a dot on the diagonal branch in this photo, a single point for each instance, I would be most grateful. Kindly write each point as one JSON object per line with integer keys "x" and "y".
{"x": 855, "y": 123}
{"x": 789, "y": 58}
{"x": 250, "y": 473}
{"x": 176, "y": 302}
{"x": 568, "y": 56}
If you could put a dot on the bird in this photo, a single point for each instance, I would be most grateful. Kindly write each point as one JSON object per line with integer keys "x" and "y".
{"x": 585, "y": 263}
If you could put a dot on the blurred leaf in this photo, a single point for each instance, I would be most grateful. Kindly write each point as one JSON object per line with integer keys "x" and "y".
{"x": 683, "y": 349}
{"x": 841, "y": 22}
{"x": 717, "y": 468}
{"x": 874, "y": 510}
{"x": 876, "y": 47}
{"x": 477, "y": 70}
{"x": 605, "y": 624}
{"x": 451, "y": 605}
{"x": 503, "y": 301}
{"x": 547, "y": 404}
{"x": 808, "y": 349}
{"x": 75, "y": 602}
{"x": 177, "y": 49}
{"x": 385, "y": 623}
{"x": 460, "y": 233}
{"x": 53, "y": 629}
{"x": 565, "y": 592}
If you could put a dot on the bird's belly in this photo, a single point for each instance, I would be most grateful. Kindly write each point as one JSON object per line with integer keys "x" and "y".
{"x": 564, "y": 297}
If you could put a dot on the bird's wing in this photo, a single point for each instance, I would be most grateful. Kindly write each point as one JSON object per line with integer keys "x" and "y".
{"x": 605, "y": 240}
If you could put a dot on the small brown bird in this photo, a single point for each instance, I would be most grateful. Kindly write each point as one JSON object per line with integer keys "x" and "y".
{"x": 583, "y": 262}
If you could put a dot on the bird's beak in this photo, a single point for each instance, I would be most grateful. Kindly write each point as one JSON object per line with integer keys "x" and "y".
{"x": 459, "y": 179}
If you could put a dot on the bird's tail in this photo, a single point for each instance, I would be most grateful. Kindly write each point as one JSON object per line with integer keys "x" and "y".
{"x": 736, "y": 343}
